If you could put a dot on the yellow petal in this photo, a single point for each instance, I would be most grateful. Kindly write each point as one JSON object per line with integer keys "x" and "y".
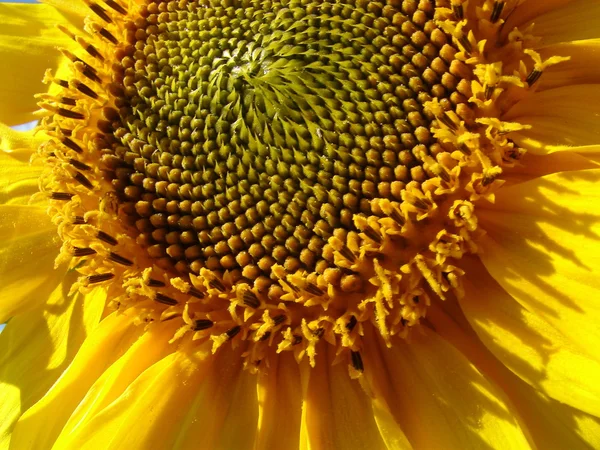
{"x": 279, "y": 396}
{"x": 37, "y": 346}
{"x": 530, "y": 346}
{"x": 28, "y": 41}
{"x": 11, "y": 140}
{"x": 179, "y": 402}
{"x": 577, "y": 20}
{"x": 582, "y": 68}
{"x": 549, "y": 423}
{"x": 567, "y": 116}
{"x": 18, "y": 179}
{"x": 149, "y": 349}
{"x": 29, "y": 246}
{"x": 531, "y": 9}
{"x": 543, "y": 248}
{"x": 535, "y": 166}
{"x": 442, "y": 401}
{"x": 40, "y": 425}
{"x": 337, "y": 414}
{"x": 74, "y": 11}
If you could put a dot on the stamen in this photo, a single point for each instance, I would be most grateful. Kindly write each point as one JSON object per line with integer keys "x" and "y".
{"x": 233, "y": 332}
{"x": 497, "y": 11}
{"x": 202, "y": 324}
{"x": 68, "y": 101}
{"x": 61, "y": 196}
{"x": 533, "y": 77}
{"x": 357, "y": 362}
{"x": 458, "y": 11}
{"x": 165, "y": 300}
{"x": 100, "y": 12}
{"x": 106, "y": 34}
{"x": 119, "y": 259}
{"x": 81, "y": 179}
{"x": 114, "y": 5}
{"x": 78, "y": 164}
{"x": 351, "y": 323}
{"x": 251, "y": 299}
{"x": 83, "y": 251}
{"x": 106, "y": 238}
{"x": 155, "y": 283}
{"x": 84, "y": 89}
{"x": 315, "y": 290}
{"x": 278, "y": 319}
{"x": 196, "y": 293}
{"x": 215, "y": 283}
{"x": 69, "y": 114}
{"x": 70, "y": 144}
{"x": 99, "y": 278}
{"x": 265, "y": 336}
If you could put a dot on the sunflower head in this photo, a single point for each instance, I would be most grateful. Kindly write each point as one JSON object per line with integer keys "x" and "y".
{"x": 318, "y": 181}
{"x": 280, "y": 173}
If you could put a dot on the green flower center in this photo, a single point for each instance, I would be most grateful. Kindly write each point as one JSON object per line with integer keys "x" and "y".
{"x": 250, "y": 132}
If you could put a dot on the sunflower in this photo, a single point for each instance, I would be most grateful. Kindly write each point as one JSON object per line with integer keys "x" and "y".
{"x": 256, "y": 224}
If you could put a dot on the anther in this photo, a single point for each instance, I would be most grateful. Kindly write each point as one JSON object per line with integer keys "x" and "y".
{"x": 78, "y": 251}
{"x": 81, "y": 179}
{"x": 78, "y": 220}
{"x": 202, "y": 324}
{"x": 251, "y": 300}
{"x": 69, "y": 114}
{"x": 107, "y": 35}
{"x": 155, "y": 283}
{"x": 357, "y": 361}
{"x": 464, "y": 40}
{"x": 418, "y": 203}
{"x": 533, "y": 77}
{"x": 119, "y": 259}
{"x": 68, "y": 101}
{"x": 72, "y": 145}
{"x": 114, "y": 5}
{"x": 106, "y": 238}
{"x": 61, "y": 83}
{"x": 397, "y": 217}
{"x": 372, "y": 234}
{"x": 315, "y": 290}
{"x": 448, "y": 122}
{"x": 265, "y": 336}
{"x": 215, "y": 283}
{"x": 90, "y": 49}
{"x": 161, "y": 298}
{"x": 458, "y": 11}
{"x": 196, "y": 293}
{"x": 278, "y": 319}
{"x": 86, "y": 90}
{"x": 90, "y": 73}
{"x": 61, "y": 196}
{"x": 347, "y": 253}
{"x": 100, "y": 12}
{"x": 496, "y": 11}
{"x": 296, "y": 339}
{"x": 78, "y": 164}
{"x": 319, "y": 332}
{"x": 351, "y": 323}
{"x": 100, "y": 277}
{"x": 233, "y": 332}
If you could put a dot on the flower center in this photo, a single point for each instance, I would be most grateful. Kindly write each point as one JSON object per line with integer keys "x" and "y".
{"x": 248, "y": 135}
{"x": 279, "y": 174}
